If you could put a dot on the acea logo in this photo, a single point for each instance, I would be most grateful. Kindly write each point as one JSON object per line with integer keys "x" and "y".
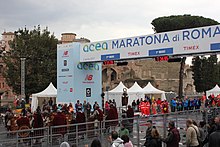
{"x": 88, "y": 66}
{"x": 95, "y": 47}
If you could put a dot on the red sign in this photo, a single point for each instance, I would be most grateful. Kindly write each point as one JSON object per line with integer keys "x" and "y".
{"x": 110, "y": 62}
{"x": 162, "y": 58}
{"x": 89, "y": 77}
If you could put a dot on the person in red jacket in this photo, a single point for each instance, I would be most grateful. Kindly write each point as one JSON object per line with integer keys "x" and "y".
{"x": 159, "y": 105}
{"x": 112, "y": 115}
{"x": 147, "y": 108}
{"x": 59, "y": 119}
{"x": 142, "y": 107}
{"x": 173, "y": 137}
{"x": 23, "y": 121}
{"x": 130, "y": 114}
{"x": 38, "y": 123}
{"x": 81, "y": 118}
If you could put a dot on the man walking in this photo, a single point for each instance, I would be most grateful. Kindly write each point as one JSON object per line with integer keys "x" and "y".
{"x": 192, "y": 134}
{"x": 173, "y": 137}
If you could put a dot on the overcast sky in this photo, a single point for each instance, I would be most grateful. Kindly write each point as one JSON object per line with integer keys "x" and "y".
{"x": 99, "y": 19}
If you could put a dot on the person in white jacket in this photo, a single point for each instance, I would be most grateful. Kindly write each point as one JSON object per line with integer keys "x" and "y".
{"x": 115, "y": 140}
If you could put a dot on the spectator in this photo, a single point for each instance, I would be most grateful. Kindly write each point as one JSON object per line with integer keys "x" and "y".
{"x": 191, "y": 134}
{"x": 123, "y": 130}
{"x": 59, "y": 119}
{"x": 89, "y": 107}
{"x": 133, "y": 105}
{"x": 155, "y": 140}
{"x": 186, "y": 104}
{"x": 96, "y": 143}
{"x": 201, "y": 129}
{"x": 158, "y": 105}
{"x": 113, "y": 101}
{"x": 138, "y": 102}
{"x": 77, "y": 105}
{"x": 173, "y": 105}
{"x": 212, "y": 129}
{"x": 148, "y": 133}
{"x": 23, "y": 121}
{"x": 98, "y": 114}
{"x": 85, "y": 107}
{"x": 173, "y": 137}
{"x": 107, "y": 107}
{"x": 80, "y": 118}
{"x": 127, "y": 142}
{"x": 214, "y": 138}
{"x": 50, "y": 102}
{"x": 115, "y": 140}
{"x": 64, "y": 144}
{"x": 95, "y": 105}
{"x": 130, "y": 114}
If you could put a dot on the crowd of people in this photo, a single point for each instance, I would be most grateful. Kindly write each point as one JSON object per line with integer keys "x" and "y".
{"x": 195, "y": 135}
{"x": 150, "y": 106}
{"x": 51, "y": 114}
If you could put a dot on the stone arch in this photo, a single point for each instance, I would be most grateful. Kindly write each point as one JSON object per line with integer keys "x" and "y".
{"x": 109, "y": 74}
{"x": 104, "y": 75}
{"x": 113, "y": 75}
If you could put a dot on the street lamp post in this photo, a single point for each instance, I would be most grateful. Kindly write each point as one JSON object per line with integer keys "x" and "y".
{"x": 23, "y": 77}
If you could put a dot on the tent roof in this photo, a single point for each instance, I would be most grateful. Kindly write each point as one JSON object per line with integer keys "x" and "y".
{"x": 50, "y": 91}
{"x": 135, "y": 88}
{"x": 150, "y": 89}
{"x": 215, "y": 89}
{"x": 118, "y": 88}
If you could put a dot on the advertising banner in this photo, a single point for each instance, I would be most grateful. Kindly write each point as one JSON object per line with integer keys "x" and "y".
{"x": 75, "y": 80}
{"x": 188, "y": 41}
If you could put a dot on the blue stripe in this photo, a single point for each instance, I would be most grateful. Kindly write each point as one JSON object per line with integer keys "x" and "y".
{"x": 110, "y": 57}
{"x": 215, "y": 46}
{"x": 162, "y": 51}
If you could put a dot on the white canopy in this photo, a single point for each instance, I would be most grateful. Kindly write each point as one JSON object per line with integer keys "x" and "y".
{"x": 135, "y": 92}
{"x": 118, "y": 88}
{"x": 149, "y": 89}
{"x": 135, "y": 88}
{"x": 50, "y": 91}
{"x": 215, "y": 91}
{"x": 116, "y": 94}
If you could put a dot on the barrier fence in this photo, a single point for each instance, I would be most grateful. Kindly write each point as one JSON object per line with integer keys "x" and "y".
{"x": 83, "y": 134}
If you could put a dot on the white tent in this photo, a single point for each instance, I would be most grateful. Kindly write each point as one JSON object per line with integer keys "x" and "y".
{"x": 149, "y": 89}
{"x": 116, "y": 94}
{"x": 37, "y": 98}
{"x": 135, "y": 88}
{"x": 118, "y": 88}
{"x": 215, "y": 91}
{"x": 135, "y": 92}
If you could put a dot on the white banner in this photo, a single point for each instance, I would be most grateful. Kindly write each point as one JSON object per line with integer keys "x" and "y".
{"x": 182, "y": 42}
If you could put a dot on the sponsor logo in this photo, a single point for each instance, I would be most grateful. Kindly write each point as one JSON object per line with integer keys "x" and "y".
{"x": 65, "y": 54}
{"x": 65, "y": 69}
{"x": 64, "y": 62}
{"x": 133, "y": 53}
{"x": 88, "y": 66}
{"x": 65, "y": 82}
{"x": 88, "y": 79}
{"x": 95, "y": 47}
{"x": 65, "y": 76}
{"x": 191, "y": 48}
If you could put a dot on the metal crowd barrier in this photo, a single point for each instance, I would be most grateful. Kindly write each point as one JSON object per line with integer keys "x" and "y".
{"x": 83, "y": 133}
